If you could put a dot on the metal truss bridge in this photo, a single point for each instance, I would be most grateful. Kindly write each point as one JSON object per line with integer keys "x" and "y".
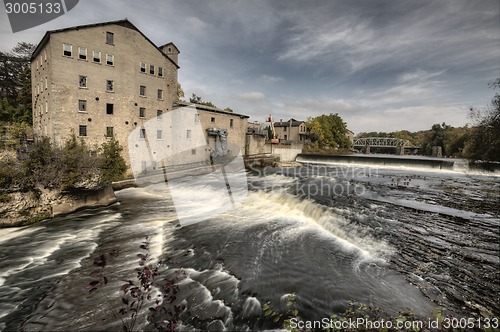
{"x": 384, "y": 142}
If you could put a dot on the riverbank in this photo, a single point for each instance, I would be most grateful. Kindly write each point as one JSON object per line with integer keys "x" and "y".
{"x": 25, "y": 208}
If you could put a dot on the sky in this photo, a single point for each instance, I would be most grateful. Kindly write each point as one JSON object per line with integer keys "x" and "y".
{"x": 382, "y": 65}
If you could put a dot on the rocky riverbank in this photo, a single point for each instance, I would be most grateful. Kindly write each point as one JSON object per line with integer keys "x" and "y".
{"x": 23, "y": 208}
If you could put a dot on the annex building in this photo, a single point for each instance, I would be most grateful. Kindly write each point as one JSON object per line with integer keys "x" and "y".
{"x": 108, "y": 80}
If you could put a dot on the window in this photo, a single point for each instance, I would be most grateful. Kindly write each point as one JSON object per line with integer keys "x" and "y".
{"x": 82, "y": 130}
{"x": 188, "y": 134}
{"x": 109, "y": 131}
{"x": 160, "y": 72}
{"x": 152, "y": 69}
{"x": 110, "y": 38}
{"x": 193, "y": 151}
{"x": 109, "y": 86}
{"x": 285, "y": 137}
{"x": 143, "y": 67}
{"x": 142, "y": 112}
{"x": 46, "y": 83}
{"x": 212, "y": 119}
{"x": 158, "y": 114}
{"x": 196, "y": 117}
{"x": 67, "y": 49}
{"x": 82, "y": 53}
{"x": 83, "y": 81}
{"x": 160, "y": 94}
{"x": 142, "y": 91}
{"x": 231, "y": 122}
{"x": 96, "y": 56}
{"x": 82, "y": 106}
{"x": 110, "y": 59}
{"x": 158, "y": 134}
{"x": 109, "y": 109}
{"x": 142, "y": 133}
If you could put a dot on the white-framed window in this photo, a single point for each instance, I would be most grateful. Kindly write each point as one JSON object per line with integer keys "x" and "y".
{"x": 142, "y": 133}
{"x": 231, "y": 122}
{"x": 110, "y": 38}
{"x": 67, "y": 50}
{"x": 196, "y": 117}
{"x": 82, "y": 53}
{"x": 143, "y": 67}
{"x": 142, "y": 91}
{"x": 160, "y": 72}
{"x": 159, "y": 113}
{"x": 158, "y": 134}
{"x": 110, "y": 86}
{"x": 110, "y": 59}
{"x": 109, "y": 132}
{"x": 142, "y": 112}
{"x": 212, "y": 119}
{"x": 46, "y": 83}
{"x": 83, "y": 81}
{"x": 160, "y": 94}
{"x": 82, "y": 105}
{"x": 96, "y": 56}
{"x": 188, "y": 134}
{"x": 82, "y": 130}
{"x": 193, "y": 151}
{"x": 152, "y": 69}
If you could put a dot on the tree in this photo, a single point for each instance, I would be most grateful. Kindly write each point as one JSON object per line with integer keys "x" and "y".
{"x": 484, "y": 142}
{"x": 180, "y": 92}
{"x": 328, "y": 131}
{"x": 15, "y": 82}
{"x": 435, "y": 137}
{"x": 197, "y": 100}
{"x": 112, "y": 164}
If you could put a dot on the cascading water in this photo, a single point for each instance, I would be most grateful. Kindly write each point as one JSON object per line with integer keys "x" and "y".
{"x": 394, "y": 238}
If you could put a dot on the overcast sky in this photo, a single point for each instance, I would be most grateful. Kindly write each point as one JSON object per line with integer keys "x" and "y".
{"x": 383, "y": 65}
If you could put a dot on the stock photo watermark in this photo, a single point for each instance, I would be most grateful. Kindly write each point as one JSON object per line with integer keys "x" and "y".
{"x": 25, "y": 15}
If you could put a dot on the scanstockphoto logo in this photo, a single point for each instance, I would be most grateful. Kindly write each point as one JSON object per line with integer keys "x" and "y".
{"x": 202, "y": 173}
{"x": 28, "y": 14}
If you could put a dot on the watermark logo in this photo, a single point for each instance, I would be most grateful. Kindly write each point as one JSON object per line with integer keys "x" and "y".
{"x": 197, "y": 168}
{"x": 28, "y": 14}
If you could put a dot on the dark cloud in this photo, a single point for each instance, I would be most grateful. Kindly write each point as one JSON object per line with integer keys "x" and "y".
{"x": 369, "y": 60}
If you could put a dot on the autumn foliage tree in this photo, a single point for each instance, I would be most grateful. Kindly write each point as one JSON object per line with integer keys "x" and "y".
{"x": 328, "y": 131}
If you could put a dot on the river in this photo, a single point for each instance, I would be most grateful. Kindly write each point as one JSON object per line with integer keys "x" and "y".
{"x": 392, "y": 237}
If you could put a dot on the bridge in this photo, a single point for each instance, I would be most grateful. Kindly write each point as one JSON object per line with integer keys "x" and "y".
{"x": 383, "y": 142}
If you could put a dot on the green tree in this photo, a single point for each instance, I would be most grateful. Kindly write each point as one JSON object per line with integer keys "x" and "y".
{"x": 43, "y": 165}
{"x": 15, "y": 82}
{"x": 197, "y": 100}
{"x": 112, "y": 164}
{"x": 484, "y": 142}
{"x": 77, "y": 163}
{"x": 328, "y": 131}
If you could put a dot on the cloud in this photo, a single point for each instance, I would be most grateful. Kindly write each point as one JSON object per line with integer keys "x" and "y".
{"x": 271, "y": 79}
{"x": 252, "y": 96}
{"x": 195, "y": 25}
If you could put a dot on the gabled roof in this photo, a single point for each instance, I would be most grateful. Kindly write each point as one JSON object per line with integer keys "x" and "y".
{"x": 124, "y": 23}
{"x": 295, "y": 123}
{"x": 170, "y": 44}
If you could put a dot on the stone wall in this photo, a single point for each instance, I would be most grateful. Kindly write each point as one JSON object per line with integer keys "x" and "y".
{"x": 20, "y": 207}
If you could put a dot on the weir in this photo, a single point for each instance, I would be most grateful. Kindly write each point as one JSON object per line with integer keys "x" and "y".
{"x": 409, "y": 161}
